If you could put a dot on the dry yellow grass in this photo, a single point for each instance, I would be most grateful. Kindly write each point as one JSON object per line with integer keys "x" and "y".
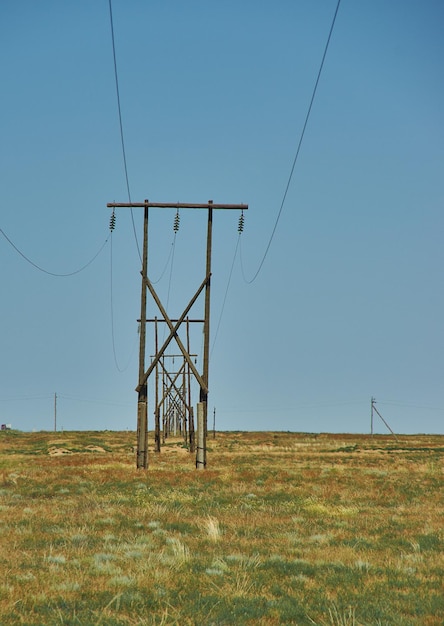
{"x": 280, "y": 529}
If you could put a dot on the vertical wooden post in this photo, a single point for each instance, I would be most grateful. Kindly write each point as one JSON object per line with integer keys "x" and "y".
{"x": 192, "y": 440}
{"x": 206, "y": 347}
{"x": 55, "y": 412}
{"x": 164, "y": 404}
{"x": 142, "y": 400}
{"x": 192, "y": 436}
{"x": 201, "y": 437}
{"x": 156, "y": 402}
{"x": 184, "y": 403}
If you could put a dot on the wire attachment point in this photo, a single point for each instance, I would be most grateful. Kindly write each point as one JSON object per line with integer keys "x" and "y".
{"x": 176, "y": 222}
{"x": 240, "y": 227}
{"x": 112, "y": 221}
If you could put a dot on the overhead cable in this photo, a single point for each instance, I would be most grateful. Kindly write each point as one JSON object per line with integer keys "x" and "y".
{"x": 118, "y": 367}
{"x": 226, "y": 292}
{"x": 41, "y": 269}
{"x": 30, "y": 397}
{"x": 91, "y": 400}
{"x": 297, "y": 151}
{"x": 412, "y": 406}
{"x": 170, "y": 277}
{"x": 171, "y": 253}
{"x": 122, "y": 140}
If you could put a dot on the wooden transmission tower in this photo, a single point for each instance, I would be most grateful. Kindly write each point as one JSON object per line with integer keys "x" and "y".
{"x": 173, "y": 408}
{"x": 175, "y": 392}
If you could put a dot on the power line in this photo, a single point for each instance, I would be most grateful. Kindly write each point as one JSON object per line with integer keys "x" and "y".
{"x": 411, "y": 406}
{"x": 121, "y": 127}
{"x": 170, "y": 280}
{"x": 276, "y": 408}
{"x": 92, "y": 400}
{"x": 22, "y": 398}
{"x": 171, "y": 273}
{"x": 112, "y": 308}
{"x": 226, "y": 293}
{"x": 171, "y": 253}
{"x": 119, "y": 369}
{"x": 297, "y": 151}
{"x": 41, "y": 269}
{"x": 170, "y": 256}
{"x": 63, "y": 397}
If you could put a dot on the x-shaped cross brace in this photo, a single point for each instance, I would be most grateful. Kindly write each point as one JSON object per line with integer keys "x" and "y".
{"x": 173, "y": 334}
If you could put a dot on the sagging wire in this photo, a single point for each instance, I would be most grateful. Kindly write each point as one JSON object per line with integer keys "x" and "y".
{"x": 240, "y": 230}
{"x": 173, "y": 244}
{"x": 249, "y": 281}
{"x": 171, "y": 252}
{"x": 176, "y": 225}
{"x": 112, "y": 225}
{"x": 122, "y": 140}
{"x": 45, "y": 271}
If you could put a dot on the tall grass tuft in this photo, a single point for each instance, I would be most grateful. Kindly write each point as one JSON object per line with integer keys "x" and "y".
{"x": 338, "y": 618}
{"x": 212, "y": 528}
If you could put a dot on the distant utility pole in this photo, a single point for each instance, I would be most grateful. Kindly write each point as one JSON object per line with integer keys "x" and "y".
{"x": 374, "y": 409}
{"x": 173, "y": 326}
{"x": 55, "y": 412}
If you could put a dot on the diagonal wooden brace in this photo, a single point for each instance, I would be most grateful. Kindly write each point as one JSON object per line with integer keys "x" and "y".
{"x": 173, "y": 334}
{"x": 173, "y": 385}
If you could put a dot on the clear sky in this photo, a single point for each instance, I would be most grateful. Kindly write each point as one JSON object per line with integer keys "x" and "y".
{"x": 349, "y": 301}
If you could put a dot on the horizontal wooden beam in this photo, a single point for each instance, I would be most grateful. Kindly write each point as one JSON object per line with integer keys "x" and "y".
{"x": 175, "y": 205}
{"x": 174, "y": 321}
{"x": 177, "y": 356}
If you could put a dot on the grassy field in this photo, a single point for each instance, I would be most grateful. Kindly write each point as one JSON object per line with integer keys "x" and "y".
{"x": 280, "y": 528}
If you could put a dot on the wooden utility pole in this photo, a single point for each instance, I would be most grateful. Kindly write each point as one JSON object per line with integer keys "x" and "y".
{"x": 55, "y": 412}
{"x": 201, "y": 447}
{"x": 156, "y": 409}
{"x": 142, "y": 390}
{"x": 378, "y": 413}
{"x": 192, "y": 440}
{"x": 206, "y": 349}
{"x": 173, "y": 326}
{"x": 174, "y": 395}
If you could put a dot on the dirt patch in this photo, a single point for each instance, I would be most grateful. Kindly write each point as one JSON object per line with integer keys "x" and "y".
{"x": 58, "y": 451}
{"x": 95, "y": 449}
{"x": 174, "y": 449}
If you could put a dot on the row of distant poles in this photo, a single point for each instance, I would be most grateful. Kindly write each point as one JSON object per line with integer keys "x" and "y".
{"x": 174, "y": 407}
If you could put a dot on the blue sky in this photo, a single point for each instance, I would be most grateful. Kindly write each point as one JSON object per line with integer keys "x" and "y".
{"x": 349, "y": 301}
